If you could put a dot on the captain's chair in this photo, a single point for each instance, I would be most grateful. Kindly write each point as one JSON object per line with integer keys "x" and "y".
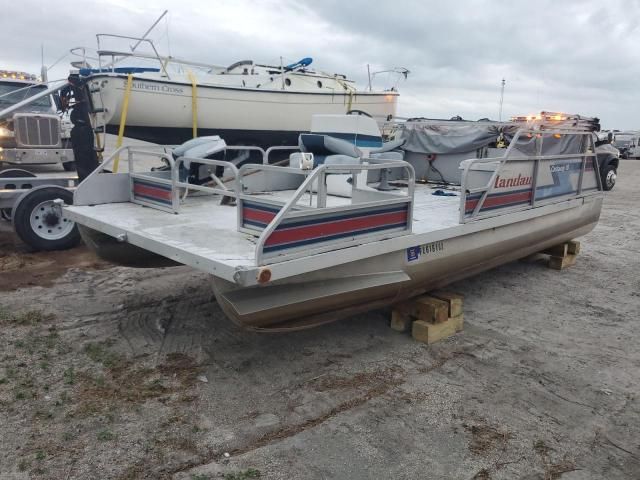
{"x": 201, "y": 147}
{"x": 328, "y": 150}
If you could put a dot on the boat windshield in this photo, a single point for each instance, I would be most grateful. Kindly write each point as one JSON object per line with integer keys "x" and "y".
{"x": 11, "y": 93}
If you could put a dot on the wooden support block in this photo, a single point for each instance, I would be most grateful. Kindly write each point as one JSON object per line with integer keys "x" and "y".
{"x": 400, "y": 322}
{"x": 427, "y": 332}
{"x": 573, "y": 247}
{"x": 557, "y": 250}
{"x": 432, "y": 309}
{"x": 425, "y": 308}
{"x": 454, "y": 300}
{"x": 560, "y": 263}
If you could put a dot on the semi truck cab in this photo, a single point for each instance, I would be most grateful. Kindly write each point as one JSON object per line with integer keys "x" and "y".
{"x": 35, "y": 134}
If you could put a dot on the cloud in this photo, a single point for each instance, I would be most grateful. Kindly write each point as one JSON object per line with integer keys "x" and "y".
{"x": 576, "y": 56}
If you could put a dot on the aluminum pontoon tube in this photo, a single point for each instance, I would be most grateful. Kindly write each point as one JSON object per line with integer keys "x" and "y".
{"x": 331, "y": 294}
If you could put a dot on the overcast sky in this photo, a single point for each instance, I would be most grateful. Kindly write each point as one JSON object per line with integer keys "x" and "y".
{"x": 573, "y": 56}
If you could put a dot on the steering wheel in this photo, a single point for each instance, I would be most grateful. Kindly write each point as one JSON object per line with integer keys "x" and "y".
{"x": 359, "y": 112}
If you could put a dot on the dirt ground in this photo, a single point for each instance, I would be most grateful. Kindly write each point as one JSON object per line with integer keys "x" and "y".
{"x": 116, "y": 373}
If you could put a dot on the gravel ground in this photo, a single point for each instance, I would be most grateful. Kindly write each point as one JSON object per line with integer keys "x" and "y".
{"x": 116, "y": 373}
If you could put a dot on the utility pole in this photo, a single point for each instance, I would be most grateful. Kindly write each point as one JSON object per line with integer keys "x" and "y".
{"x": 501, "y": 99}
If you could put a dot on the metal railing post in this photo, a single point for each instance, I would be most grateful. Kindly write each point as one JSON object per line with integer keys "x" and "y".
{"x": 316, "y": 174}
{"x": 537, "y": 159}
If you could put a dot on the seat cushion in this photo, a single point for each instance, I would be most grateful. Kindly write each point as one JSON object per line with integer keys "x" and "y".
{"x": 326, "y": 145}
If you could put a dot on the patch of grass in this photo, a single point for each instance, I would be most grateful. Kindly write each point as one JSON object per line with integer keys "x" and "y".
{"x": 483, "y": 474}
{"x": 27, "y": 317}
{"x": 21, "y": 395}
{"x": 69, "y": 376}
{"x": 105, "y": 436}
{"x": 243, "y": 474}
{"x": 5, "y": 315}
{"x": 40, "y": 455}
{"x": 182, "y": 367}
{"x": 556, "y": 470}
{"x": 172, "y": 443}
{"x": 486, "y": 437}
{"x": 3, "y": 380}
{"x": 121, "y": 384}
{"x": 36, "y": 343}
{"x": 99, "y": 353}
{"x": 43, "y": 414}
{"x": 24, "y": 464}
{"x": 200, "y": 476}
{"x": 187, "y": 398}
{"x": 32, "y": 317}
{"x": 64, "y": 398}
{"x": 541, "y": 447}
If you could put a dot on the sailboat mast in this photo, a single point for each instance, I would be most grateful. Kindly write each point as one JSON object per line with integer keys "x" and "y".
{"x": 149, "y": 30}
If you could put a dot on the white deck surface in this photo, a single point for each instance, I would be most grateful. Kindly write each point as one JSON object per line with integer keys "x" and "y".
{"x": 209, "y": 231}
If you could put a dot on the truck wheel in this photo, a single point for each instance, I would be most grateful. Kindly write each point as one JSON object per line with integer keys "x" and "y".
{"x": 609, "y": 175}
{"x": 69, "y": 166}
{"x": 5, "y": 213}
{"x": 39, "y": 223}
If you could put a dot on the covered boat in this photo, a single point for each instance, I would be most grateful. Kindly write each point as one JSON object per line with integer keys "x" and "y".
{"x": 344, "y": 227}
{"x": 435, "y": 147}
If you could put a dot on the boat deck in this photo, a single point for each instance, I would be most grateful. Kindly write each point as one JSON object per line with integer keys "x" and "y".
{"x": 209, "y": 231}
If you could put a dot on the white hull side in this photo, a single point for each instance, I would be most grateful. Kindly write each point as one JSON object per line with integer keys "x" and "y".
{"x": 165, "y": 104}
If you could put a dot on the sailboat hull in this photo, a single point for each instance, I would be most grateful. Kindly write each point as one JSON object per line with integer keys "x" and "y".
{"x": 161, "y": 111}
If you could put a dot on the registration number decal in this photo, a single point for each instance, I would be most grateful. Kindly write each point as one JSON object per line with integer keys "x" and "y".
{"x": 415, "y": 253}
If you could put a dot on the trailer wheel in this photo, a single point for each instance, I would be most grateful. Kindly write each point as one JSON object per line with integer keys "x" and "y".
{"x": 5, "y": 213}
{"x": 69, "y": 166}
{"x": 39, "y": 223}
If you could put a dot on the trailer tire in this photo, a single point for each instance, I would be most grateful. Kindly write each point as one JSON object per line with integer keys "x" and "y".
{"x": 38, "y": 223}
{"x": 69, "y": 166}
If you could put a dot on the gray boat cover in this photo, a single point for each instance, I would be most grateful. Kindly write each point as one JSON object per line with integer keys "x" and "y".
{"x": 456, "y": 137}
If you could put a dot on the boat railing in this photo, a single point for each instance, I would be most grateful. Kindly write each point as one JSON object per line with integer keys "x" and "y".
{"x": 168, "y": 189}
{"x": 517, "y": 181}
{"x": 291, "y": 229}
{"x": 117, "y": 55}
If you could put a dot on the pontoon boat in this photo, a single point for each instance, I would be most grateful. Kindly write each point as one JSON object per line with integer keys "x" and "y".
{"x": 344, "y": 227}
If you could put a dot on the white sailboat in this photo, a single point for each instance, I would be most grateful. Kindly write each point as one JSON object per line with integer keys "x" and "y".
{"x": 245, "y": 103}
